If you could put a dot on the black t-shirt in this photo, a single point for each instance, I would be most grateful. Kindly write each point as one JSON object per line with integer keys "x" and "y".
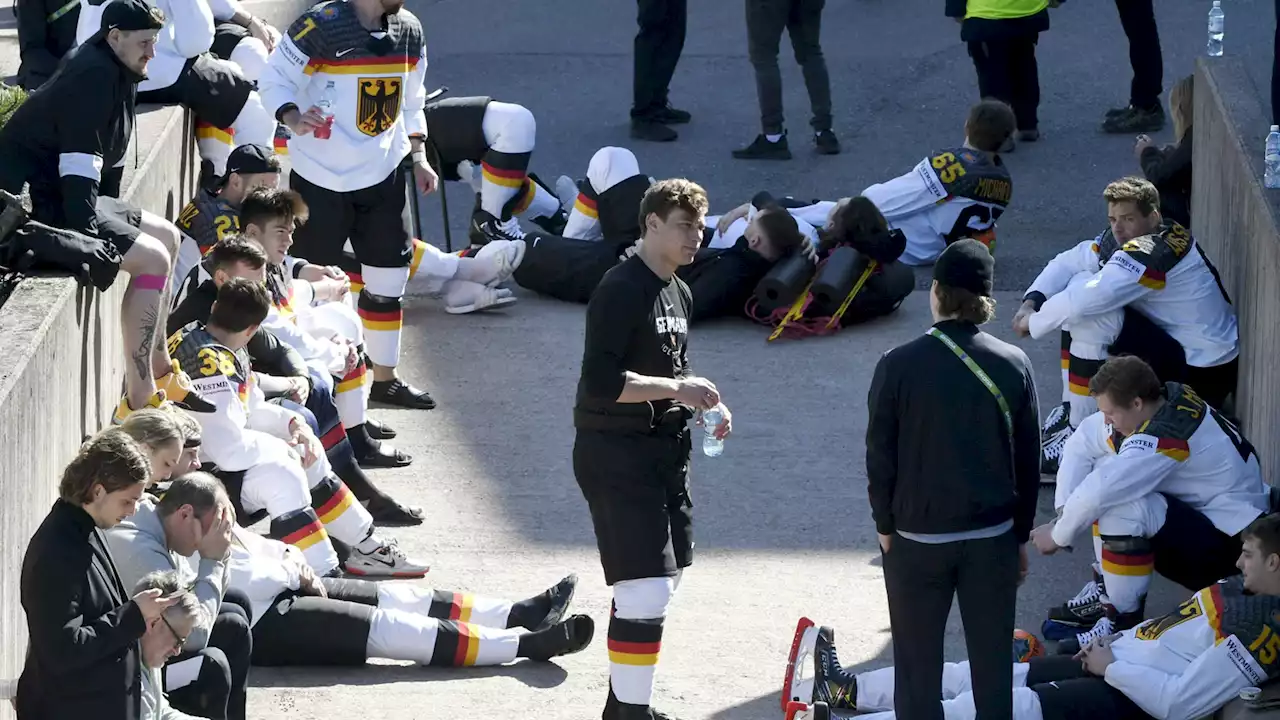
{"x": 636, "y": 322}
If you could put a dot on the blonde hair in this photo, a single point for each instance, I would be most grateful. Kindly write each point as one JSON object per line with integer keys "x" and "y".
{"x": 153, "y": 427}
{"x": 1182, "y": 106}
{"x": 189, "y": 426}
{"x": 1136, "y": 190}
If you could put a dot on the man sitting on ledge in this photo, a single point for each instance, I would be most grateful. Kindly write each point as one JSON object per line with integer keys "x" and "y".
{"x": 1182, "y": 666}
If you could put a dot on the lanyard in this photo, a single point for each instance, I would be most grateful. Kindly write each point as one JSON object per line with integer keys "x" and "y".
{"x": 980, "y": 374}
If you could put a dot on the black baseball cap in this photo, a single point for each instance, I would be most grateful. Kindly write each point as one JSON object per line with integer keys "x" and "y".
{"x": 968, "y": 265}
{"x": 252, "y": 160}
{"x": 131, "y": 15}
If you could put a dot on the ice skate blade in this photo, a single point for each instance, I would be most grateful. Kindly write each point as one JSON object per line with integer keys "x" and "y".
{"x": 797, "y": 686}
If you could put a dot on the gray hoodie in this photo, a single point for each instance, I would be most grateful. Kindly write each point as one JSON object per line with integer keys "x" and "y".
{"x": 138, "y": 547}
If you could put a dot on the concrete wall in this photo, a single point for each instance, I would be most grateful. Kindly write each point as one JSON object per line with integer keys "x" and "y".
{"x": 1235, "y": 218}
{"x": 61, "y": 369}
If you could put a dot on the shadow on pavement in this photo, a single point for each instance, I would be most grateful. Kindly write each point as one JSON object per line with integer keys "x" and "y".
{"x": 538, "y": 675}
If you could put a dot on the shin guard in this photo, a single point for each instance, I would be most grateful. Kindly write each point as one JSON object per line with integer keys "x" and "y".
{"x": 504, "y": 177}
{"x": 303, "y": 530}
{"x": 634, "y": 646}
{"x": 584, "y": 218}
{"x": 381, "y": 313}
{"x": 337, "y": 508}
{"x": 399, "y": 635}
{"x": 536, "y": 201}
{"x": 351, "y": 395}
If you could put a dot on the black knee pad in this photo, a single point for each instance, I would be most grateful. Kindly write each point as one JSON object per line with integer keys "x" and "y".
{"x": 1126, "y": 544}
{"x": 214, "y": 680}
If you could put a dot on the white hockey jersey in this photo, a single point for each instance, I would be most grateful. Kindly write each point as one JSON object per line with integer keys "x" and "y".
{"x": 378, "y": 101}
{"x": 289, "y": 296}
{"x": 1165, "y": 276}
{"x": 1194, "y": 660}
{"x": 953, "y": 194}
{"x": 803, "y": 217}
{"x": 188, "y": 31}
{"x": 258, "y": 568}
{"x": 1188, "y": 451}
{"x": 245, "y": 430}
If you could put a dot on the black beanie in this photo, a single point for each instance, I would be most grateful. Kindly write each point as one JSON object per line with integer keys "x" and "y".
{"x": 968, "y": 265}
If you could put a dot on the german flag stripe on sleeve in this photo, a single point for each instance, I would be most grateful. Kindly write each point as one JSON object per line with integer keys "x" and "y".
{"x": 586, "y": 206}
{"x": 457, "y": 644}
{"x": 1130, "y": 565}
{"x": 1179, "y": 450}
{"x": 205, "y": 131}
{"x": 1152, "y": 278}
{"x": 338, "y": 503}
{"x": 1211, "y": 599}
{"x": 281, "y": 145}
{"x": 451, "y": 606}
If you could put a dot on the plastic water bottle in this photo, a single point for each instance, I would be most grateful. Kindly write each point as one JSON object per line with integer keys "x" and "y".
{"x": 325, "y": 108}
{"x": 1216, "y": 29}
{"x": 1272, "y": 178}
{"x": 712, "y": 446}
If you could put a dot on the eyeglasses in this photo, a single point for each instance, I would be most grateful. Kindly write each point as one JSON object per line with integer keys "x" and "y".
{"x": 179, "y": 640}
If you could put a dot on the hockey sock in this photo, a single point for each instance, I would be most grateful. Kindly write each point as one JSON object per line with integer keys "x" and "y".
{"x": 462, "y": 607}
{"x": 1080, "y": 371}
{"x": 351, "y": 396}
{"x": 382, "y": 318}
{"x": 303, "y": 530}
{"x": 1127, "y": 565}
{"x": 634, "y": 646}
{"x": 355, "y": 478}
{"x": 343, "y": 516}
{"x": 370, "y": 543}
{"x": 584, "y": 218}
{"x": 504, "y": 176}
{"x": 536, "y": 201}
{"x": 214, "y": 144}
{"x": 1097, "y": 553}
{"x": 398, "y": 635}
{"x": 250, "y": 55}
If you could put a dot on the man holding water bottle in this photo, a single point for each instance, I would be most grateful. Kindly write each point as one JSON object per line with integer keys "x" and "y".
{"x": 631, "y": 454}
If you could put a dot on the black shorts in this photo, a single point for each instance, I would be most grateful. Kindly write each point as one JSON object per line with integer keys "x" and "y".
{"x": 311, "y": 630}
{"x": 1143, "y": 338}
{"x": 226, "y": 36}
{"x": 565, "y": 268}
{"x": 637, "y": 490}
{"x": 376, "y": 219}
{"x": 118, "y": 223}
{"x": 1067, "y": 692}
{"x": 1191, "y": 551}
{"x": 455, "y": 131}
{"x": 215, "y": 90}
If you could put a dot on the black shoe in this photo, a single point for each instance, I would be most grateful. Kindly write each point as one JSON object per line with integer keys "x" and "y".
{"x": 670, "y": 116}
{"x": 566, "y": 638}
{"x": 762, "y": 149}
{"x": 490, "y": 228}
{"x": 651, "y": 130}
{"x": 381, "y": 455}
{"x": 827, "y": 143}
{"x": 389, "y": 513}
{"x": 659, "y": 715}
{"x": 378, "y": 430}
{"x": 399, "y": 393}
{"x": 1135, "y": 120}
{"x": 561, "y": 595}
{"x": 1028, "y": 135}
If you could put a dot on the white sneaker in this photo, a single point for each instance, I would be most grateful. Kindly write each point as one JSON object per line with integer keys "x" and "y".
{"x": 567, "y": 192}
{"x": 387, "y": 561}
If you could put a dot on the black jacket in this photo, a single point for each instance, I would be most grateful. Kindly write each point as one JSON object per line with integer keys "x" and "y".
{"x": 938, "y": 456}
{"x": 83, "y": 660}
{"x": 46, "y": 32}
{"x": 1169, "y": 169}
{"x": 269, "y": 354}
{"x": 723, "y": 280}
{"x": 68, "y": 140}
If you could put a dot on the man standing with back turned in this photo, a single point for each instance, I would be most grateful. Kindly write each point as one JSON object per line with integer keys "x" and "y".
{"x": 631, "y": 455}
{"x": 954, "y": 499}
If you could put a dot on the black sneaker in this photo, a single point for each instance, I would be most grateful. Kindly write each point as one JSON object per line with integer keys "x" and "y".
{"x": 651, "y": 130}
{"x": 565, "y": 638}
{"x": 827, "y": 143}
{"x": 831, "y": 683}
{"x": 762, "y": 149}
{"x": 1135, "y": 120}
{"x": 670, "y": 116}
{"x": 1028, "y": 135}
{"x": 1053, "y": 438}
{"x": 1082, "y": 611}
{"x": 490, "y": 228}
{"x": 560, "y": 597}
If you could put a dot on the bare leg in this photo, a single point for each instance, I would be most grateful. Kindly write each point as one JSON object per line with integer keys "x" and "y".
{"x": 164, "y": 231}
{"x": 148, "y": 263}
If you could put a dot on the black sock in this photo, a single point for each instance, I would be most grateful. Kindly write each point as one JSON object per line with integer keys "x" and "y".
{"x": 361, "y": 443}
{"x": 350, "y": 472}
{"x": 528, "y": 614}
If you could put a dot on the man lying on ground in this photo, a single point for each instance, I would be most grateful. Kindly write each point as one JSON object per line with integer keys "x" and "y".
{"x": 1182, "y": 666}
{"x": 1143, "y": 287}
{"x": 254, "y": 446}
{"x": 1167, "y": 483}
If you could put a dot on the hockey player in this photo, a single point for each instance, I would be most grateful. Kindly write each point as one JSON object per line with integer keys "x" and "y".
{"x": 227, "y": 107}
{"x": 367, "y": 59}
{"x": 1166, "y": 482}
{"x": 214, "y": 212}
{"x": 956, "y": 193}
{"x": 282, "y": 371}
{"x": 1182, "y": 666}
{"x": 241, "y": 38}
{"x": 254, "y": 441}
{"x": 1144, "y": 287}
{"x": 68, "y": 141}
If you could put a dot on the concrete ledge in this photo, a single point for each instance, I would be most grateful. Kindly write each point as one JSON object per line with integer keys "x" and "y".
{"x": 1236, "y": 218}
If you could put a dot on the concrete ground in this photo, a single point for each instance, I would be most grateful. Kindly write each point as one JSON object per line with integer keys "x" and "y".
{"x": 782, "y": 522}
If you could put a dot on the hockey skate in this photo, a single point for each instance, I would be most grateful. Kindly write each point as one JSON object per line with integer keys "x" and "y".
{"x": 801, "y": 711}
